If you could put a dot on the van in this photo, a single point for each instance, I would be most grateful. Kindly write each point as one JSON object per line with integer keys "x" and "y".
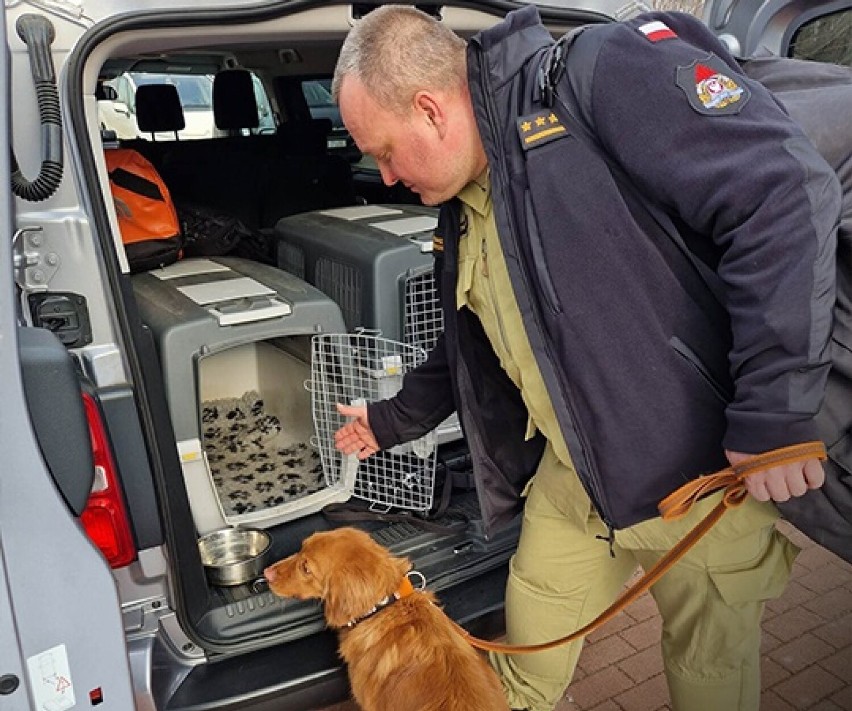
{"x": 143, "y": 411}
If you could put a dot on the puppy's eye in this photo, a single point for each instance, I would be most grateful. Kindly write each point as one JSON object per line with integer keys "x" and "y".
{"x": 305, "y": 568}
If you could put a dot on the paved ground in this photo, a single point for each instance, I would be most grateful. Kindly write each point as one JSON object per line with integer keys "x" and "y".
{"x": 807, "y": 648}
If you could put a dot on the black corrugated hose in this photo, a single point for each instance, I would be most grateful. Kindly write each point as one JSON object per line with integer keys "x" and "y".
{"x": 38, "y": 34}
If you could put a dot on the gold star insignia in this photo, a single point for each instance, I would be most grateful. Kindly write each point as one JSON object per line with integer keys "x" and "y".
{"x": 539, "y": 128}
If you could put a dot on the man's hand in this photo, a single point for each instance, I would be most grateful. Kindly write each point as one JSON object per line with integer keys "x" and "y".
{"x": 356, "y": 436}
{"x": 782, "y": 482}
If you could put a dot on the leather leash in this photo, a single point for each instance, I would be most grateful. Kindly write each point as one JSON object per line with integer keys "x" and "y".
{"x": 676, "y": 505}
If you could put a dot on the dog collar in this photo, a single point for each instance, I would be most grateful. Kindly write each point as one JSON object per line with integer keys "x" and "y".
{"x": 405, "y": 589}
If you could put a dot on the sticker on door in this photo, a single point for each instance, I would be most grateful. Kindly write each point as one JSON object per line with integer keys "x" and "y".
{"x": 50, "y": 680}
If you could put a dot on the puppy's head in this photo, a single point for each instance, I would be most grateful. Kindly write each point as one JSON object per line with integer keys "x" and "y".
{"x": 344, "y": 568}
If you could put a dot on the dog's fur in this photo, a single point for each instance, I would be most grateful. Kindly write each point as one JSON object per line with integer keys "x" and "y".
{"x": 405, "y": 657}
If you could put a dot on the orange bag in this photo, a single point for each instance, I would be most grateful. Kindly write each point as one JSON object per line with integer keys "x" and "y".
{"x": 147, "y": 217}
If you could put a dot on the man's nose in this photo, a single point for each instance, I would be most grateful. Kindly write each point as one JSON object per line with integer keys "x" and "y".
{"x": 389, "y": 178}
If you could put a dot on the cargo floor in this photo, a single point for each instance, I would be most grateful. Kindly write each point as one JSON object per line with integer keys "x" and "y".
{"x": 445, "y": 560}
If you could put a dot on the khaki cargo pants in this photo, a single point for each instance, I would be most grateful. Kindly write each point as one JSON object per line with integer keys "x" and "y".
{"x": 711, "y": 602}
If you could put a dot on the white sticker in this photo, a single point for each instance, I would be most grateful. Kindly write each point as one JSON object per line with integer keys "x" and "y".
{"x": 50, "y": 679}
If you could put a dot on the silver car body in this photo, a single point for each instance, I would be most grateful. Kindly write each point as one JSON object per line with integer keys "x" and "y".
{"x": 73, "y": 632}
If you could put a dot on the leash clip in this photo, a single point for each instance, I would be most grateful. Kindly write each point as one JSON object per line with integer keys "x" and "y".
{"x": 416, "y": 573}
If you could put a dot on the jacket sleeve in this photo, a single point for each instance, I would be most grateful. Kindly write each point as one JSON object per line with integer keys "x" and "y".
{"x": 424, "y": 401}
{"x": 742, "y": 173}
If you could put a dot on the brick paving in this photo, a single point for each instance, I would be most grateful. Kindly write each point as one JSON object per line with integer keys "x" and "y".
{"x": 806, "y": 649}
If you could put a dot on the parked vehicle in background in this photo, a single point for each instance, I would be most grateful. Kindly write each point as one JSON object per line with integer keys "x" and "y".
{"x": 318, "y": 95}
{"x": 117, "y": 105}
{"x": 196, "y": 98}
{"x": 143, "y": 410}
{"x": 321, "y": 106}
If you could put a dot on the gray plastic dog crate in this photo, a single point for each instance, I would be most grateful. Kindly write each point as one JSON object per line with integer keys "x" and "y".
{"x": 375, "y": 261}
{"x": 233, "y": 338}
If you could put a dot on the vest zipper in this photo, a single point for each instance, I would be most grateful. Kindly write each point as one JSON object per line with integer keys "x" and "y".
{"x": 590, "y": 481}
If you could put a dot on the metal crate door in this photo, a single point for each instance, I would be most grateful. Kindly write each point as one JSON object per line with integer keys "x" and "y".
{"x": 423, "y": 320}
{"x": 355, "y": 368}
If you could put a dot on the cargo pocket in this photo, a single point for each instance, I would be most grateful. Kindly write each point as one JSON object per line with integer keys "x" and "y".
{"x": 760, "y": 580}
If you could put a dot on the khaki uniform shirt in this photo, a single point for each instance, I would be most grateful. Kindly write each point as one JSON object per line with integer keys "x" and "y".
{"x": 484, "y": 287}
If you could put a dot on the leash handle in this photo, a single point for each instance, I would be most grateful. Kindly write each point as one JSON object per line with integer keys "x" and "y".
{"x": 675, "y": 506}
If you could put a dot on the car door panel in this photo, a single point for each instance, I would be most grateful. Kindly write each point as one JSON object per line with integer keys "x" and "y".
{"x": 61, "y": 634}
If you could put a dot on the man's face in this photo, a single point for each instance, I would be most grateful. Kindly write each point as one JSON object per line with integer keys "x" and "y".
{"x": 416, "y": 148}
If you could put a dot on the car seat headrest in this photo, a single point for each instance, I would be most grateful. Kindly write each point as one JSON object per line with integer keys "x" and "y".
{"x": 158, "y": 108}
{"x": 234, "y": 103}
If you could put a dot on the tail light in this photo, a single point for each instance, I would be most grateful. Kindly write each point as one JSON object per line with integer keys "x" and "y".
{"x": 105, "y": 516}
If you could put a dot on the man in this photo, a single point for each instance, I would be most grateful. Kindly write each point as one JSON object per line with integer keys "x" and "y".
{"x": 579, "y": 346}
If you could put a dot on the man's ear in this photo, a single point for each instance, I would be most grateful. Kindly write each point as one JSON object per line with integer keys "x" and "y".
{"x": 429, "y": 107}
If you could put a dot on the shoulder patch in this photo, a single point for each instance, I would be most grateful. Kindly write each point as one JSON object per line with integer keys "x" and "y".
{"x": 540, "y": 128}
{"x": 709, "y": 88}
{"x": 656, "y": 31}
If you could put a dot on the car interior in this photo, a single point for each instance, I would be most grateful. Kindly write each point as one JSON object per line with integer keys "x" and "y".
{"x": 335, "y": 281}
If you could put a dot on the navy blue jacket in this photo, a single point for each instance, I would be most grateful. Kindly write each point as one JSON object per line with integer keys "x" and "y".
{"x": 652, "y": 374}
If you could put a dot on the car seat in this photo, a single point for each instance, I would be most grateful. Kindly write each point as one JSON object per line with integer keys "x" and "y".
{"x": 306, "y": 177}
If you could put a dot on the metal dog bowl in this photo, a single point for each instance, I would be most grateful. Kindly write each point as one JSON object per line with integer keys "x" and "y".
{"x": 233, "y": 556}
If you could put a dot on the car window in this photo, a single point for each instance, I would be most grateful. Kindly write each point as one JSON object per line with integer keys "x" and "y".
{"x": 321, "y": 105}
{"x": 317, "y": 93}
{"x": 195, "y": 92}
{"x": 265, "y": 114}
{"x": 825, "y": 39}
{"x": 125, "y": 91}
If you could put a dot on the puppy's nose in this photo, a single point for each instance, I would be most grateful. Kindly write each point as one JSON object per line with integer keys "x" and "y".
{"x": 269, "y": 573}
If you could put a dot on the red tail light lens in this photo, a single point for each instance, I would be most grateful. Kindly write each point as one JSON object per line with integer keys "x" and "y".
{"x": 105, "y": 516}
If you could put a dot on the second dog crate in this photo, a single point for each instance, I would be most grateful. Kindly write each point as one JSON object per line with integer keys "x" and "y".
{"x": 374, "y": 261}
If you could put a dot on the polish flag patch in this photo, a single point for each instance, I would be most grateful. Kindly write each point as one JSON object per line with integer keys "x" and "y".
{"x": 656, "y": 31}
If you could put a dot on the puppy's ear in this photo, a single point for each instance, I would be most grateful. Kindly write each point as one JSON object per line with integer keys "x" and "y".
{"x": 350, "y": 592}
{"x": 359, "y": 580}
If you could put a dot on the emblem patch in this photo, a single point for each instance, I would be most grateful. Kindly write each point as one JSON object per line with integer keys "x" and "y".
{"x": 709, "y": 88}
{"x": 540, "y": 128}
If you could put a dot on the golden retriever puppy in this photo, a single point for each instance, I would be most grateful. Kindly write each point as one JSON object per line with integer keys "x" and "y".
{"x": 402, "y": 651}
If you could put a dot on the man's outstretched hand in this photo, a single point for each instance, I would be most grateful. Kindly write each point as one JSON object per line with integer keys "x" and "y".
{"x": 356, "y": 436}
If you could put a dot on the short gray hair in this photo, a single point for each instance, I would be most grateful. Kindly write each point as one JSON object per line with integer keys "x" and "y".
{"x": 397, "y": 50}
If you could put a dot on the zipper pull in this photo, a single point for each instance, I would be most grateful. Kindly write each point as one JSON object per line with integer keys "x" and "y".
{"x": 609, "y": 538}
